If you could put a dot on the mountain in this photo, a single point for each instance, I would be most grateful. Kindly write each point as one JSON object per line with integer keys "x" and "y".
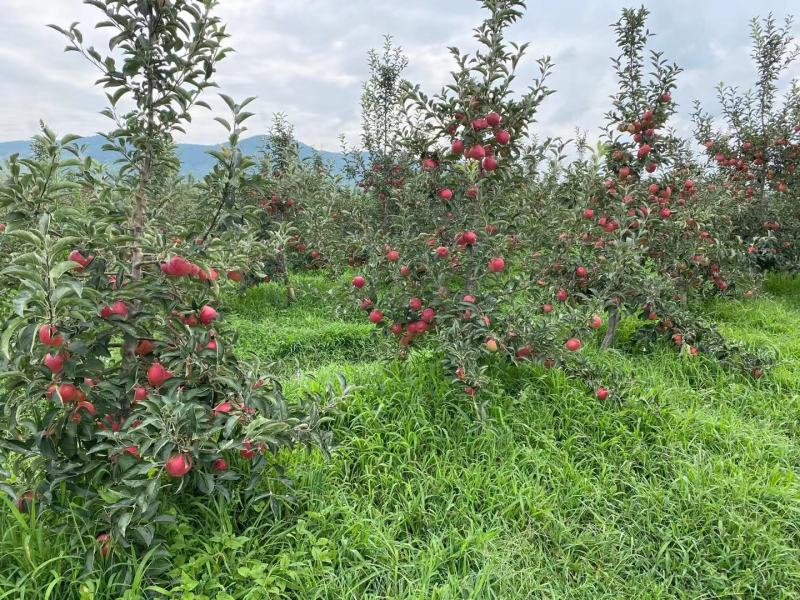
{"x": 195, "y": 159}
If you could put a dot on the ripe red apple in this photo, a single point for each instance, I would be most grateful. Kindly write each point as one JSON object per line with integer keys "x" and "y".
{"x": 219, "y": 464}
{"x": 547, "y": 308}
{"x": 624, "y": 172}
{"x": 446, "y": 194}
{"x": 223, "y": 408}
{"x": 235, "y": 276}
{"x": 493, "y": 119}
{"x": 358, "y": 282}
{"x": 415, "y": 303}
{"x": 502, "y": 137}
{"x": 49, "y": 336}
{"x": 429, "y": 164}
{"x": 665, "y": 213}
{"x": 376, "y": 316}
{"x": 247, "y": 451}
{"x": 405, "y": 271}
{"x": 573, "y": 344}
{"x": 207, "y": 315}
{"x": 479, "y": 124}
{"x": 595, "y": 322}
{"x": 489, "y": 163}
{"x": 469, "y": 298}
{"x": 644, "y": 150}
{"x": 427, "y": 315}
{"x": 76, "y": 256}
{"x": 497, "y": 264}
{"x": 68, "y": 393}
{"x": 457, "y": 147}
{"x": 562, "y": 295}
{"x": 55, "y": 362}
{"x": 120, "y": 309}
{"x": 581, "y": 271}
{"x": 476, "y": 152}
{"x": 472, "y": 192}
{"x": 468, "y": 238}
{"x": 87, "y": 406}
{"x": 442, "y": 252}
{"x": 523, "y": 353}
{"x": 666, "y": 97}
{"x": 105, "y": 312}
{"x": 677, "y": 339}
{"x": 602, "y": 393}
{"x": 157, "y": 375}
{"x": 393, "y": 256}
{"x": 588, "y": 213}
{"x": 178, "y": 465}
{"x": 139, "y": 394}
{"x": 396, "y": 328}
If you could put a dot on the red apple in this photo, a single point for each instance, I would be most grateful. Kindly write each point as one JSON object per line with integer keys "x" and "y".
{"x": 68, "y": 392}
{"x": 157, "y": 375}
{"x": 207, "y": 315}
{"x": 49, "y": 336}
{"x": 55, "y": 362}
{"x": 493, "y": 119}
{"x": 497, "y": 264}
{"x": 178, "y": 465}
{"x": 139, "y": 394}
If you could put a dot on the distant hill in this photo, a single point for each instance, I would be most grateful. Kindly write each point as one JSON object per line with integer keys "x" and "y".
{"x": 195, "y": 159}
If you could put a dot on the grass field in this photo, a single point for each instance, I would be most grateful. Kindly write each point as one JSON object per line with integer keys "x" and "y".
{"x": 686, "y": 488}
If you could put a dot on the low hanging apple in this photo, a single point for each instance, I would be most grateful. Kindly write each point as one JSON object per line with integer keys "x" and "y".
{"x": 178, "y": 465}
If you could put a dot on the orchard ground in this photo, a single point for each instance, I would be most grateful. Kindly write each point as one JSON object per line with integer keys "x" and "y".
{"x": 686, "y": 487}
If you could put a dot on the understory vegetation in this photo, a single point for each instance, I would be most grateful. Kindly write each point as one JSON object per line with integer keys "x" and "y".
{"x": 687, "y": 488}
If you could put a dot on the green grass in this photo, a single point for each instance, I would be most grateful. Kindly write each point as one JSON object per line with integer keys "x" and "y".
{"x": 686, "y": 488}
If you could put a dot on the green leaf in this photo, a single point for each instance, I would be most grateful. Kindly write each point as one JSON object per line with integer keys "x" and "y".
{"x": 59, "y": 269}
{"x": 5, "y": 339}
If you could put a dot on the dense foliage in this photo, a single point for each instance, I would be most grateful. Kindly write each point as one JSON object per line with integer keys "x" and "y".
{"x": 455, "y": 232}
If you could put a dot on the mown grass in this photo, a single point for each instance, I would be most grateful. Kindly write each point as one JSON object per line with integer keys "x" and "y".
{"x": 685, "y": 488}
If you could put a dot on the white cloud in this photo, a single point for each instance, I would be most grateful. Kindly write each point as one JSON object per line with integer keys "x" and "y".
{"x": 307, "y": 58}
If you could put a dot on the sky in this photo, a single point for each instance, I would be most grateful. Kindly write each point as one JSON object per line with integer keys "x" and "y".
{"x": 307, "y": 59}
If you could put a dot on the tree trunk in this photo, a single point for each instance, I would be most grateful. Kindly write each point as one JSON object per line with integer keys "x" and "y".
{"x": 611, "y": 330}
{"x": 290, "y": 295}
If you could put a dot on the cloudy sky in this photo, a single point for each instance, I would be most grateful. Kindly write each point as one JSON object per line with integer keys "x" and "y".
{"x": 307, "y": 58}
